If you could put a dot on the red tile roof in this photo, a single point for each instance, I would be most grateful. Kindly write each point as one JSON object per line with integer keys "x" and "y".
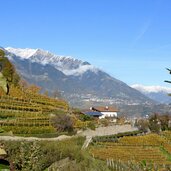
{"x": 105, "y": 109}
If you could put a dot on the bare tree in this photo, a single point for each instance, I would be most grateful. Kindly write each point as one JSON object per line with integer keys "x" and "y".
{"x": 169, "y": 73}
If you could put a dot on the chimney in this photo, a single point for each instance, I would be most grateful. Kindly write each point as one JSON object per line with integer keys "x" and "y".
{"x": 107, "y": 107}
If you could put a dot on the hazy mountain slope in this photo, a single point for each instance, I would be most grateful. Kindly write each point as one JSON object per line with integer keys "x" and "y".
{"x": 157, "y": 93}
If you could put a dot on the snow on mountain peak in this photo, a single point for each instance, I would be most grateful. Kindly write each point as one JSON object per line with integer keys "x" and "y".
{"x": 24, "y": 53}
{"x": 151, "y": 89}
{"x": 66, "y": 64}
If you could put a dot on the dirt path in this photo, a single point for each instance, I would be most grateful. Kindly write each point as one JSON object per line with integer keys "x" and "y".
{"x": 16, "y": 138}
{"x": 101, "y": 131}
{"x": 110, "y": 130}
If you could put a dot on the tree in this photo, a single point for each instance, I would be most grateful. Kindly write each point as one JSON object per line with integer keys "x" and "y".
{"x": 169, "y": 73}
{"x": 154, "y": 123}
{"x": 167, "y": 80}
{"x": 164, "y": 120}
{"x": 8, "y": 71}
{"x": 143, "y": 125}
{"x": 63, "y": 122}
{"x": 2, "y": 53}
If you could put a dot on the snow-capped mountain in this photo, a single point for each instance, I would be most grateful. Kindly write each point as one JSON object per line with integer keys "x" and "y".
{"x": 67, "y": 65}
{"x": 81, "y": 83}
{"x": 23, "y": 53}
{"x": 157, "y": 93}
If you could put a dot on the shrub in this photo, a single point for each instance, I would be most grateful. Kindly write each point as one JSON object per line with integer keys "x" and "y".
{"x": 83, "y": 117}
{"x": 1, "y": 130}
{"x": 104, "y": 122}
{"x": 80, "y": 124}
{"x": 154, "y": 124}
{"x": 38, "y": 155}
{"x": 91, "y": 125}
{"x": 164, "y": 119}
{"x": 143, "y": 125}
{"x": 62, "y": 123}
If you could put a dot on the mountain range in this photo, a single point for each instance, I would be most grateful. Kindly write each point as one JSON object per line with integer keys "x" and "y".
{"x": 157, "y": 93}
{"x": 81, "y": 83}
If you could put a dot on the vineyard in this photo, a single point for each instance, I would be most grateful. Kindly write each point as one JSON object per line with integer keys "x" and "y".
{"x": 151, "y": 148}
{"x": 27, "y": 112}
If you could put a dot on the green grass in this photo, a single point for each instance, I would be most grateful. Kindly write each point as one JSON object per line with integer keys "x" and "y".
{"x": 168, "y": 155}
{"x": 2, "y": 166}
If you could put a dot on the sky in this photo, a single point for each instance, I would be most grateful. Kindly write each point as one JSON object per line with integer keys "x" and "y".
{"x": 129, "y": 39}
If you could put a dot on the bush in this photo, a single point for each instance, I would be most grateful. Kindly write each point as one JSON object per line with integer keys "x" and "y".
{"x": 62, "y": 123}
{"x": 91, "y": 125}
{"x": 104, "y": 122}
{"x": 143, "y": 125}
{"x": 38, "y": 155}
{"x": 154, "y": 124}
{"x": 85, "y": 117}
{"x": 164, "y": 120}
{"x": 1, "y": 130}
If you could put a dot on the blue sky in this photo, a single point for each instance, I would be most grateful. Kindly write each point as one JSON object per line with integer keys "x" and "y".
{"x": 129, "y": 39}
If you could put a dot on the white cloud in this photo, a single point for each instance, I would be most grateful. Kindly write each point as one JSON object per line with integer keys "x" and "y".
{"x": 143, "y": 30}
{"x": 82, "y": 69}
{"x": 150, "y": 89}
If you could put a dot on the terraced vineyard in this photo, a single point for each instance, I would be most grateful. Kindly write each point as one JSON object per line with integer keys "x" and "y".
{"x": 151, "y": 148}
{"x": 26, "y": 112}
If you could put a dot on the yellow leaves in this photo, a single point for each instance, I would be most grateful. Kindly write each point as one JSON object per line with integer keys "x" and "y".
{"x": 150, "y": 139}
{"x": 133, "y": 148}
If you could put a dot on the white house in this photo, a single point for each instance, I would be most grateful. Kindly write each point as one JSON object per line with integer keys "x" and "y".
{"x": 107, "y": 111}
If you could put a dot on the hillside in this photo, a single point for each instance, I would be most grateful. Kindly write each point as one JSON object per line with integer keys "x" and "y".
{"x": 28, "y": 112}
{"x": 81, "y": 83}
{"x": 22, "y": 109}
